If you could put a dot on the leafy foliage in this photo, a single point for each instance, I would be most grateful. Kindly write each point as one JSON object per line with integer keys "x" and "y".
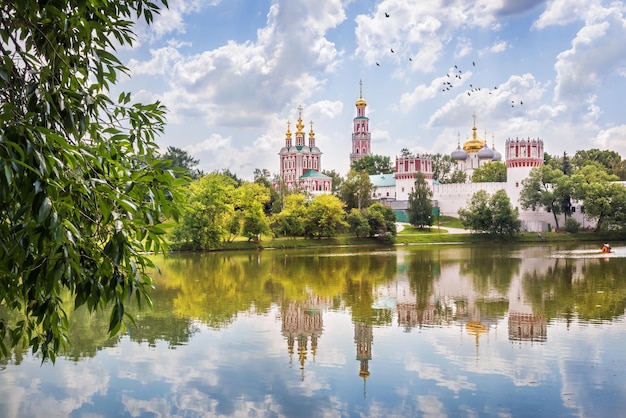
{"x": 420, "y": 203}
{"x": 494, "y": 171}
{"x": 492, "y": 214}
{"x": 373, "y": 164}
{"x": 182, "y": 163}
{"x": 82, "y": 192}
{"x": 356, "y": 190}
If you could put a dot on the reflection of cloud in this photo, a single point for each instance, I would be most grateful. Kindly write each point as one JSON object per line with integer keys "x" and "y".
{"x": 60, "y": 392}
{"x": 431, "y": 406}
{"x": 431, "y": 372}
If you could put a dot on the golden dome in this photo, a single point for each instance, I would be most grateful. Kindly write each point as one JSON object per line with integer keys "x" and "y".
{"x": 475, "y": 144}
{"x": 288, "y": 133}
{"x": 361, "y": 101}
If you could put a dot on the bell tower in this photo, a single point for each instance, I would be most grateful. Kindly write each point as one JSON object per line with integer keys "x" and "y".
{"x": 361, "y": 136}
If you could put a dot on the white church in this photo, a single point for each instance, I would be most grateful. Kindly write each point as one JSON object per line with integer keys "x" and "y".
{"x": 301, "y": 164}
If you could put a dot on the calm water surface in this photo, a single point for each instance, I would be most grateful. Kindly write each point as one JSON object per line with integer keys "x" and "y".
{"x": 436, "y": 331}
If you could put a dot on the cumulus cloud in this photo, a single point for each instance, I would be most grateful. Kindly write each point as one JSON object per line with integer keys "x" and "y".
{"x": 596, "y": 50}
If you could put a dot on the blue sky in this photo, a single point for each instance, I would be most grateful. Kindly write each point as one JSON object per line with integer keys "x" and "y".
{"x": 233, "y": 72}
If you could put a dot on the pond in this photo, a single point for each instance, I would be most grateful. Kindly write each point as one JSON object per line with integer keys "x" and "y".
{"x": 428, "y": 331}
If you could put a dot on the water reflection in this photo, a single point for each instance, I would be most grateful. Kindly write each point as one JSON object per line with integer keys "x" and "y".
{"x": 438, "y": 331}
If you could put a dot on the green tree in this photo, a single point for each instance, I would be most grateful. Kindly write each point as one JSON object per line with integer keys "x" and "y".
{"x": 250, "y": 200}
{"x": 492, "y": 214}
{"x": 290, "y": 221}
{"x": 373, "y": 164}
{"x": 83, "y": 193}
{"x": 324, "y": 216}
{"x": 494, "y": 171}
{"x": 443, "y": 168}
{"x": 336, "y": 180}
{"x": 477, "y": 215}
{"x": 457, "y": 176}
{"x": 603, "y": 199}
{"x": 420, "y": 203}
{"x": 610, "y": 160}
{"x": 505, "y": 219}
{"x": 182, "y": 163}
{"x": 358, "y": 223}
{"x": 207, "y": 218}
{"x": 545, "y": 187}
{"x": 381, "y": 220}
{"x": 356, "y": 190}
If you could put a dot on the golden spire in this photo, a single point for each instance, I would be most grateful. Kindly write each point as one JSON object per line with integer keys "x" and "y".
{"x": 288, "y": 133}
{"x": 299, "y": 125}
{"x": 311, "y": 133}
{"x": 361, "y": 101}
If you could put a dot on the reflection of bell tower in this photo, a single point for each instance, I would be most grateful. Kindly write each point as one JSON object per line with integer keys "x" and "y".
{"x": 301, "y": 321}
{"x": 363, "y": 337}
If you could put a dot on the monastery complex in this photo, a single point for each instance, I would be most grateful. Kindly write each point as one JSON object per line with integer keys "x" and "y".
{"x": 300, "y": 164}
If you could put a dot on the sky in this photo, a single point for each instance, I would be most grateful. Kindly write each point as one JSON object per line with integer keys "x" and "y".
{"x": 232, "y": 73}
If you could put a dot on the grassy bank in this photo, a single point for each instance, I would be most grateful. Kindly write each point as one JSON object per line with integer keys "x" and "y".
{"x": 410, "y": 235}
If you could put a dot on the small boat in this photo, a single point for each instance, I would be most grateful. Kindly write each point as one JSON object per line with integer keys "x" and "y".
{"x": 606, "y": 248}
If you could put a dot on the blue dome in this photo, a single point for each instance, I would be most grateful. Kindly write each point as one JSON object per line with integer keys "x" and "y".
{"x": 485, "y": 153}
{"x": 458, "y": 154}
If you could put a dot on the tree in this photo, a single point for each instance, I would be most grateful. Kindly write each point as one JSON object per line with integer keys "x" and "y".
{"x": 373, "y": 164}
{"x": 494, "y": 171}
{"x": 603, "y": 199}
{"x": 358, "y": 223}
{"x": 493, "y": 215}
{"x": 477, "y": 216}
{"x": 336, "y": 180}
{"x": 324, "y": 216}
{"x": 545, "y": 187}
{"x": 83, "y": 194}
{"x": 607, "y": 159}
{"x": 381, "y": 220}
{"x": 443, "y": 168}
{"x": 420, "y": 203}
{"x": 207, "y": 217}
{"x": 356, "y": 190}
{"x": 505, "y": 219}
{"x": 290, "y": 221}
{"x": 250, "y": 200}
{"x": 182, "y": 163}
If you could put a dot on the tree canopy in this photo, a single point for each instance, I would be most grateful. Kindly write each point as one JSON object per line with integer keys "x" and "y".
{"x": 373, "y": 164}
{"x": 494, "y": 171}
{"x": 182, "y": 163}
{"x": 420, "y": 203}
{"x": 83, "y": 193}
{"x": 492, "y": 214}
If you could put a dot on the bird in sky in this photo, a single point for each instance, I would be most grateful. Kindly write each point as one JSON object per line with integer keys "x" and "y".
{"x": 378, "y": 64}
{"x": 410, "y": 59}
{"x": 392, "y": 50}
{"x": 386, "y": 14}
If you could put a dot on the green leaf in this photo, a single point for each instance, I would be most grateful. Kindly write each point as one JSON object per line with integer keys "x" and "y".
{"x": 44, "y": 209}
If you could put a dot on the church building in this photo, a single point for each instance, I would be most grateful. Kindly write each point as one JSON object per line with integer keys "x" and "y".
{"x": 301, "y": 163}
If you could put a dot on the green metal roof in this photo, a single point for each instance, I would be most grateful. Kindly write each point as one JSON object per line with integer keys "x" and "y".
{"x": 314, "y": 174}
{"x": 383, "y": 180}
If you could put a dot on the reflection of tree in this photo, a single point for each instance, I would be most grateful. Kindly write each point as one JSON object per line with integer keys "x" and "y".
{"x": 420, "y": 270}
{"x": 488, "y": 271}
{"x": 592, "y": 289}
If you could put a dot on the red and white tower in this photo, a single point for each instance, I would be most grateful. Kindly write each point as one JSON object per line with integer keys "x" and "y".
{"x": 361, "y": 136}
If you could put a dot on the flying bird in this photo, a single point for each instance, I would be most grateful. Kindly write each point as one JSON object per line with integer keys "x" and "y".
{"x": 392, "y": 50}
{"x": 473, "y": 63}
{"x": 378, "y": 64}
{"x": 410, "y": 59}
{"x": 386, "y": 14}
